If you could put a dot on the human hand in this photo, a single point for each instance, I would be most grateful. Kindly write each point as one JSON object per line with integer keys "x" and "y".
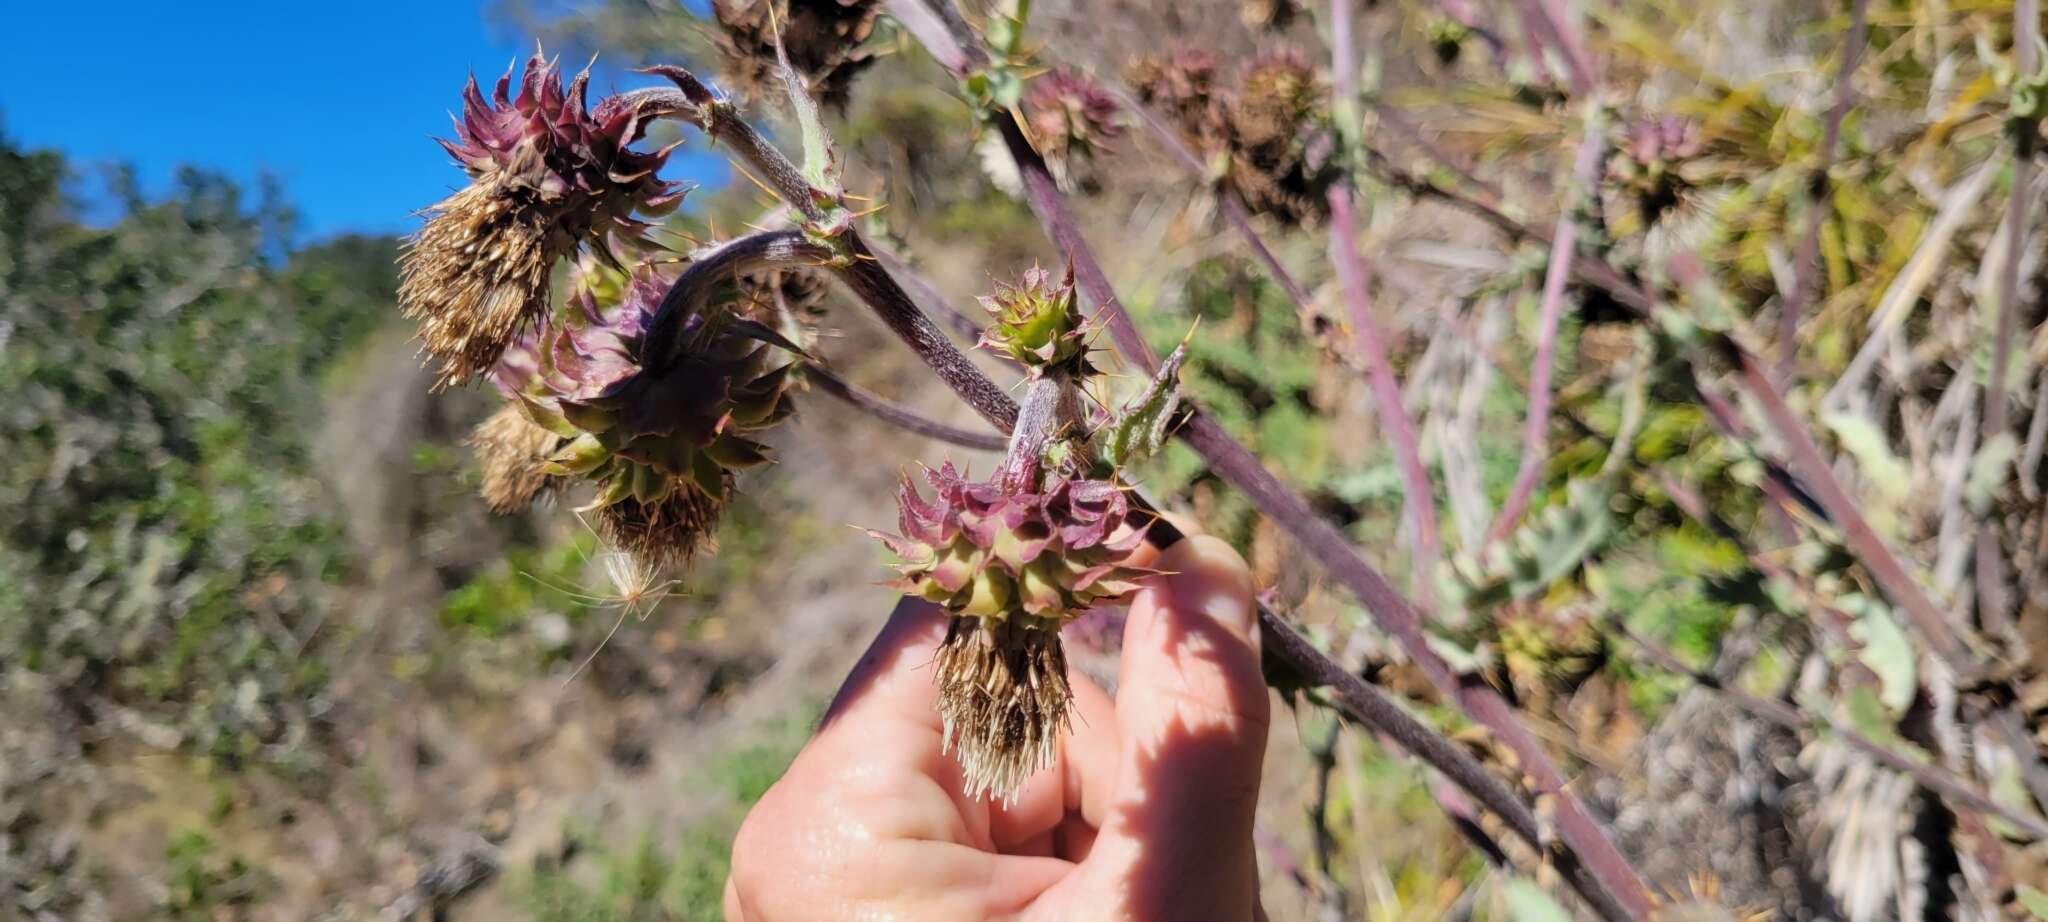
{"x": 1144, "y": 814}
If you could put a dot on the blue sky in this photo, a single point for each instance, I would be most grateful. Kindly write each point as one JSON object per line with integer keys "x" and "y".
{"x": 339, "y": 100}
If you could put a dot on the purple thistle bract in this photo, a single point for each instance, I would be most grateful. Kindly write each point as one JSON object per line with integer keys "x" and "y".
{"x": 660, "y": 435}
{"x": 1011, "y": 567}
{"x": 546, "y": 177}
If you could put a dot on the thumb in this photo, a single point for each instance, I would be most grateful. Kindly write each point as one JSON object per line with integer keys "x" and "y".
{"x": 1192, "y": 714}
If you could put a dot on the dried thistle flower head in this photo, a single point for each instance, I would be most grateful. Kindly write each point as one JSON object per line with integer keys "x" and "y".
{"x": 658, "y": 422}
{"x": 1012, "y": 567}
{"x": 1069, "y": 115}
{"x": 1281, "y": 159}
{"x": 1038, "y": 324}
{"x": 546, "y": 177}
{"x": 1269, "y": 125}
{"x": 821, "y": 37}
{"x": 513, "y": 452}
{"x": 1183, "y": 85}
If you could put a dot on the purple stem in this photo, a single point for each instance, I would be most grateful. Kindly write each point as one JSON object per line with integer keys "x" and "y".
{"x": 899, "y": 416}
{"x": 1803, "y": 265}
{"x": 1356, "y": 278}
{"x": 1563, "y": 249}
{"x": 1421, "y": 499}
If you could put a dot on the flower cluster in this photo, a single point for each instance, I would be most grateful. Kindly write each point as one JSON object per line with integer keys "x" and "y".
{"x": 1012, "y": 567}
{"x": 660, "y": 434}
{"x": 547, "y": 177}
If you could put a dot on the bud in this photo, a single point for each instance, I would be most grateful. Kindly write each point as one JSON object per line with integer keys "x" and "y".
{"x": 1038, "y": 324}
{"x": 821, "y": 37}
{"x": 659, "y": 435}
{"x": 547, "y": 177}
{"x": 1012, "y": 567}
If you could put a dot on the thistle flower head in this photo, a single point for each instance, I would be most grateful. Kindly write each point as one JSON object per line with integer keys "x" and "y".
{"x": 513, "y": 452}
{"x": 1069, "y": 115}
{"x": 546, "y": 176}
{"x": 1038, "y": 323}
{"x": 821, "y": 37}
{"x": 660, "y": 434}
{"x": 1012, "y": 567}
{"x": 1269, "y": 124}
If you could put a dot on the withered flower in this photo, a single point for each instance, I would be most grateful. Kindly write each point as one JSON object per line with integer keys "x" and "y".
{"x": 513, "y": 452}
{"x": 546, "y": 177}
{"x": 821, "y": 37}
{"x": 1012, "y": 567}
{"x": 1269, "y": 124}
{"x": 659, "y": 434}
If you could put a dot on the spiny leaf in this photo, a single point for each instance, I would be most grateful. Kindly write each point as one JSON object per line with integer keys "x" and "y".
{"x": 1141, "y": 429}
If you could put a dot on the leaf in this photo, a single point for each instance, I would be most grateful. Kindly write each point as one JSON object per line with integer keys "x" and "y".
{"x": 1885, "y": 650}
{"x": 2035, "y": 902}
{"x": 1528, "y": 902}
{"x": 1874, "y": 458}
{"x": 1143, "y": 425}
{"x": 1988, "y": 472}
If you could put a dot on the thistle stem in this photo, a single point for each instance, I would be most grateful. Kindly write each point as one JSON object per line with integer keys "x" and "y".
{"x": 901, "y": 417}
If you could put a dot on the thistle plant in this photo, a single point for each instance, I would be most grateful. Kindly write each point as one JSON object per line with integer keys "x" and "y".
{"x": 1018, "y": 556}
{"x": 655, "y": 386}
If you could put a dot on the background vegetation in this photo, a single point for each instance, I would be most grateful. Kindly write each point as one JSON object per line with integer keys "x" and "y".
{"x": 264, "y": 656}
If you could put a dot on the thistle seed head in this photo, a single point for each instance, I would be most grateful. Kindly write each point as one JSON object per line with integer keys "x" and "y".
{"x": 1268, "y": 124}
{"x": 669, "y": 530}
{"x": 547, "y": 177}
{"x": 1003, "y": 701}
{"x": 513, "y": 452}
{"x": 1012, "y": 567}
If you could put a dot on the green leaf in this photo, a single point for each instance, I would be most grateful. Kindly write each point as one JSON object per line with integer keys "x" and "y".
{"x": 1528, "y": 902}
{"x": 1988, "y": 471}
{"x": 1143, "y": 425}
{"x": 1885, "y": 650}
{"x": 1874, "y": 458}
{"x": 2035, "y": 902}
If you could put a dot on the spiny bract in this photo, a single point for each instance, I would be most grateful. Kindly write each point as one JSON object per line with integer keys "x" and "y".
{"x": 546, "y": 178}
